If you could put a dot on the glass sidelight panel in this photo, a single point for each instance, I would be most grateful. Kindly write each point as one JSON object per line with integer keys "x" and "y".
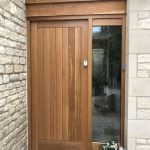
{"x": 106, "y": 83}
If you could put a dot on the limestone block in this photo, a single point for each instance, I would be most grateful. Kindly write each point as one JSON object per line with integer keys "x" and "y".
{"x": 12, "y": 111}
{"x": 15, "y": 60}
{"x": 2, "y": 50}
{"x": 18, "y": 68}
{"x": 12, "y": 126}
{"x": 2, "y": 69}
{"x": 12, "y": 97}
{"x": 1, "y": 136}
{"x": 5, "y": 78}
{"x": 14, "y": 36}
{"x": 141, "y": 141}
{"x": 22, "y": 60}
{"x": 4, "y": 32}
{"x": 2, "y": 87}
{"x": 7, "y": 121}
{"x": 143, "y": 102}
{"x": 12, "y": 44}
{"x": 3, "y": 41}
{"x": 1, "y": 80}
{"x": 148, "y": 141}
{"x": 144, "y": 66}
{"x": 144, "y": 58}
{"x": 2, "y": 59}
{"x": 132, "y": 72}
{"x": 139, "y": 41}
{"x": 9, "y": 51}
{"x": 138, "y": 5}
{"x": 8, "y": 59}
{"x": 2, "y": 102}
{"x": 144, "y": 74}
{"x": 18, "y": 52}
{"x": 9, "y": 68}
{"x": 144, "y": 24}
{"x": 144, "y": 14}
{"x": 7, "y": 107}
{"x": 143, "y": 114}
{"x": 132, "y": 108}
{"x": 2, "y": 20}
{"x": 139, "y": 87}
{"x": 142, "y": 147}
{"x": 14, "y": 77}
{"x": 13, "y": 91}
{"x": 131, "y": 144}
{"x": 139, "y": 128}
{"x": 6, "y": 93}
{"x": 13, "y": 9}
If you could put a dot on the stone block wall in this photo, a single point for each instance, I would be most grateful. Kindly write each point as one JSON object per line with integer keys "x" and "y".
{"x": 13, "y": 89}
{"x": 138, "y": 75}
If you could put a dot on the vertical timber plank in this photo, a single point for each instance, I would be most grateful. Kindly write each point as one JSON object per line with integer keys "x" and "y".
{"x": 46, "y": 99}
{"x": 40, "y": 80}
{"x": 34, "y": 103}
{"x": 84, "y": 97}
{"x": 54, "y": 82}
{"x": 65, "y": 84}
{"x": 59, "y": 82}
{"x": 77, "y": 83}
{"x": 90, "y": 26}
{"x": 71, "y": 63}
{"x": 29, "y": 82}
{"x": 122, "y": 124}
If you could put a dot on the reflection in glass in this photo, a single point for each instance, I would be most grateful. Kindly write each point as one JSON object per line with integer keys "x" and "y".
{"x": 106, "y": 83}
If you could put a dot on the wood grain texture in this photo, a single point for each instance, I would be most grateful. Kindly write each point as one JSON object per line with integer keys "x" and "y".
{"x": 34, "y": 95}
{"x": 90, "y": 29}
{"x": 47, "y": 83}
{"x": 122, "y": 116}
{"x": 84, "y": 87}
{"x": 106, "y": 22}
{"x": 71, "y": 67}
{"x": 78, "y": 35}
{"x": 59, "y": 81}
{"x": 80, "y": 17}
{"x": 57, "y": 96}
{"x": 61, "y": 1}
{"x": 29, "y": 83}
{"x": 71, "y": 9}
{"x": 54, "y": 83}
{"x": 40, "y": 86}
{"x": 65, "y": 87}
{"x": 55, "y": 145}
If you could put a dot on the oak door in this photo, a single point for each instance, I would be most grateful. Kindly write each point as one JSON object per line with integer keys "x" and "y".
{"x": 59, "y": 85}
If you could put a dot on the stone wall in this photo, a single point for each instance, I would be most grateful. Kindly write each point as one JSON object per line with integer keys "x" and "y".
{"x": 13, "y": 99}
{"x": 138, "y": 75}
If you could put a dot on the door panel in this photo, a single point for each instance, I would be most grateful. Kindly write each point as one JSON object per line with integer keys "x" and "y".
{"x": 59, "y": 85}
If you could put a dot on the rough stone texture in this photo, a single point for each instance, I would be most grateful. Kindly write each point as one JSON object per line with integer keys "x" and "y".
{"x": 138, "y": 75}
{"x": 13, "y": 97}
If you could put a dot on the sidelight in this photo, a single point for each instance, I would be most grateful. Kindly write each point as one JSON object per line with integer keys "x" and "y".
{"x": 106, "y": 83}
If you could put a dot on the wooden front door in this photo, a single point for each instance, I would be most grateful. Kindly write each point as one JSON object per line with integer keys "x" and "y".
{"x": 59, "y": 118}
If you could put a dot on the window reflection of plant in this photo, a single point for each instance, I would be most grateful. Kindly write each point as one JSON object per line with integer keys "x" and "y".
{"x": 106, "y": 39}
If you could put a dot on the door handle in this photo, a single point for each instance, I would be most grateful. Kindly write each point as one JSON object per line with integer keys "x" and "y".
{"x": 85, "y": 63}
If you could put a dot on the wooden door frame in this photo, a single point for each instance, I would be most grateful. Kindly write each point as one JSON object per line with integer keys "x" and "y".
{"x": 89, "y": 18}
{"x": 121, "y": 22}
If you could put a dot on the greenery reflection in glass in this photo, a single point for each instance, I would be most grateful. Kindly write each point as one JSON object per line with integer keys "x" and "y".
{"x": 106, "y": 83}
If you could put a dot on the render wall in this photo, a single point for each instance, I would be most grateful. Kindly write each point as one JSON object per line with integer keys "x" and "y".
{"x": 138, "y": 75}
{"x": 13, "y": 99}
